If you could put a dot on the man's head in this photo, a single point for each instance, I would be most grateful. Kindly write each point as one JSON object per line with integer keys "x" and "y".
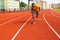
{"x": 33, "y": 4}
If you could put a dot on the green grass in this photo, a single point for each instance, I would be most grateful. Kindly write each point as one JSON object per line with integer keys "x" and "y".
{"x": 58, "y": 10}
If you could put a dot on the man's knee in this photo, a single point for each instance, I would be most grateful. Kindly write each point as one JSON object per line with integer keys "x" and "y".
{"x": 32, "y": 15}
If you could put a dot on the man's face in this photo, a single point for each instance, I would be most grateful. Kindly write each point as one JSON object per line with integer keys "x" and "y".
{"x": 33, "y": 5}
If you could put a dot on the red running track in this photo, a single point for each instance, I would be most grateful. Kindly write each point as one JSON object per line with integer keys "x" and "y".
{"x": 17, "y": 26}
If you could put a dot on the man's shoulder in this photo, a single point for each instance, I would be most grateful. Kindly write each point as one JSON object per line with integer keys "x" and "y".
{"x": 37, "y": 5}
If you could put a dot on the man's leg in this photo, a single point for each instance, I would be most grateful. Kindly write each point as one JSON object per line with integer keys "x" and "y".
{"x": 36, "y": 14}
{"x": 33, "y": 18}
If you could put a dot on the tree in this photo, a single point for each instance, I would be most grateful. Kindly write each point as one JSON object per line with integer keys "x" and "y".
{"x": 30, "y": 0}
{"x": 22, "y": 4}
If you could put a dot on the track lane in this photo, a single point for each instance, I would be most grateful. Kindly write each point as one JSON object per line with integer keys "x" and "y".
{"x": 7, "y": 31}
{"x": 54, "y": 22}
{"x": 10, "y": 16}
{"x": 38, "y": 31}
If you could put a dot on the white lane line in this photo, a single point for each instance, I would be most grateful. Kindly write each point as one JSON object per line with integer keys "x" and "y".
{"x": 20, "y": 29}
{"x": 55, "y": 15}
{"x": 7, "y": 17}
{"x": 51, "y": 26}
{"x": 11, "y": 20}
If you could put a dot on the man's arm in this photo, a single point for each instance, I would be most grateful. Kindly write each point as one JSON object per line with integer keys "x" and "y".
{"x": 39, "y": 8}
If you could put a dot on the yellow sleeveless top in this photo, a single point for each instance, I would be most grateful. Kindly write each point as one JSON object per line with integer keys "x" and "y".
{"x": 36, "y": 7}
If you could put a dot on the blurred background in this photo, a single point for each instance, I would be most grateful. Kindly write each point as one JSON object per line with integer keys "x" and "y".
{"x": 11, "y": 5}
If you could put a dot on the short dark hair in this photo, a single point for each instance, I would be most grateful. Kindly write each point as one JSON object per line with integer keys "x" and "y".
{"x": 33, "y": 4}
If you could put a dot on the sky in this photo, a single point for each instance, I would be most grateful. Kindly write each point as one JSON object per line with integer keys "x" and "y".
{"x": 53, "y": 1}
{"x": 48, "y": 1}
{"x": 26, "y": 1}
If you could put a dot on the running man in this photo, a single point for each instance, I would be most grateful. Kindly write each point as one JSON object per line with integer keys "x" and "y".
{"x": 35, "y": 8}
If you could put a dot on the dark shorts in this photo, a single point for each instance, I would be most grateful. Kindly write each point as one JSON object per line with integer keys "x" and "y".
{"x": 34, "y": 12}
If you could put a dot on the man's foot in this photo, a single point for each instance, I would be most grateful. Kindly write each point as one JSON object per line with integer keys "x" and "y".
{"x": 36, "y": 15}
{"x": 33, "y": 22}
